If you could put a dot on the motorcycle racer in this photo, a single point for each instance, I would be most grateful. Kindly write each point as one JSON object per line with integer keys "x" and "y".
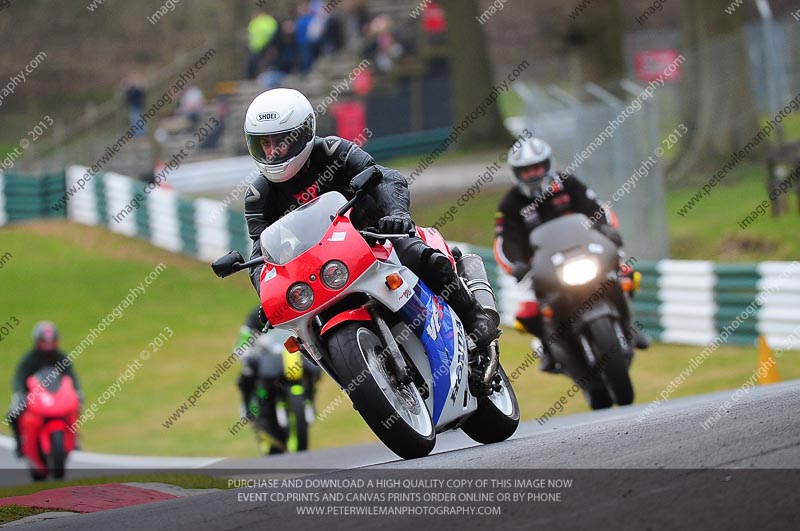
{"x": 45, "y": 353}
{"x": 297, "y": 166}
{"x": 540, "y": 194}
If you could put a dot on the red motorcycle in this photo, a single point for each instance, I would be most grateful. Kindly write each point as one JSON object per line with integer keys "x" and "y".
{"x": 395, "y": 347}
{"x": 52, "y": 406}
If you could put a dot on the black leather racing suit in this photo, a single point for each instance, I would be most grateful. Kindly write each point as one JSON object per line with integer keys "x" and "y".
{"x": 332, "y": 164}
{"x": 518, "y": 215}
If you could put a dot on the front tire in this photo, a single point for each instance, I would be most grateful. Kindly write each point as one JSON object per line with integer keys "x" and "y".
{"x": 395, "y": 412}
{"x": 58, "y": 454}
{"x": 612, "y": 355}
{"x": 497, "y": 416}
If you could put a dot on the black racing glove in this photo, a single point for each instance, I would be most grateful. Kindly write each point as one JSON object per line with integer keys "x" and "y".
{"x": 396, "y": 224}
{"x": 519, "y": 270}
{"x": 611, "y": 233}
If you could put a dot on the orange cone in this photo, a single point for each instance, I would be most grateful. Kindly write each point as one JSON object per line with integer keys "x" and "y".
{"x": 767, "y": 366}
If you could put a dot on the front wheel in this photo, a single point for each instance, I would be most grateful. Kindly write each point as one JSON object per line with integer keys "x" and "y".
{"x": 497, "y": 416}
{"x": 612, "y": 355}
{"x": 395, "y": 412}
{"x": 58, "y": 454}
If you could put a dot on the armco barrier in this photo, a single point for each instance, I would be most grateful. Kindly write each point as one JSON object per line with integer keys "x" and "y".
{"x": 680, "y": 301}
{"x": 161, "y": 216}
{"x": 23, "y": 197}
{"x": 3, "y": 213}
{"x": 692, "y": 302}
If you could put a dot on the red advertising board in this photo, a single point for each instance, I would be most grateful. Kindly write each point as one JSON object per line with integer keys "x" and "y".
{"x": 650, "y": 64}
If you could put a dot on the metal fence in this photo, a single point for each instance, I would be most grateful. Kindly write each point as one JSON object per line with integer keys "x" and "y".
{"x": 766, "y": 79}
{"x": 574, "y": 124}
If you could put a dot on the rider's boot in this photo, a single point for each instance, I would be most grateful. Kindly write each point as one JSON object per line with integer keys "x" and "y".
{"x": 534, "y": 325}
{"x": 14, "y": 421}
{"x": 481, "y": 327}
{"x": 640, "y": 339}
{"x": 436, "y": 270}
{"x": 546, "y": 361}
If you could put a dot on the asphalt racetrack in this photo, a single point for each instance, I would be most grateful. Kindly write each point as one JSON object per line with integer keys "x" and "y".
{"x": 603, "y": 470}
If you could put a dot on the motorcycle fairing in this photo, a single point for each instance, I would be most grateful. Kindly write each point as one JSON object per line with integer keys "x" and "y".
{"x": 444, "y": 340}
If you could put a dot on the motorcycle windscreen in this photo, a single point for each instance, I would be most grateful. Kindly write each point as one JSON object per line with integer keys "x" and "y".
{"x": 52, "y": 394}
{"x": 564, "y": 233}
{"x": 49, "y": 377}
{"x": 301, "y": 229}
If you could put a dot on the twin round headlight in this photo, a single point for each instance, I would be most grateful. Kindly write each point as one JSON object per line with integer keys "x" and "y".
{"x": 334, "y": 275}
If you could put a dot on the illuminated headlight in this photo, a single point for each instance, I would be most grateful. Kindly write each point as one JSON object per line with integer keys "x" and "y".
{"x": 579, "y": 271}
{"x": 335, "y": 274}
{"x": 300, "y": 296}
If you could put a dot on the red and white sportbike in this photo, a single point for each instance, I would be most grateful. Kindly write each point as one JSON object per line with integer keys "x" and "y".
{"x": 396, "y": 348}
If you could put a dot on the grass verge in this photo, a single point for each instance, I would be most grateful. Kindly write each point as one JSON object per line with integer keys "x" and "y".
{"x": 12, "y": 513}
{"x": 76, "y": 275}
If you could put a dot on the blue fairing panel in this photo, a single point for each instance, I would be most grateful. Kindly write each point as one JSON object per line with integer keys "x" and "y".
{"x": 428, "y": 317}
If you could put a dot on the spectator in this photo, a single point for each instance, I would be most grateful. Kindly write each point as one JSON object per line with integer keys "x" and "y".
{"x": 306, "y": 46}
{"x": 382, "y": 49}
{"x": 134, "y": 99}
{"x": 190, "y": 105}
{"x": 284, "y": 55}
{"x": 324, "y": 31}
{"x": 434, "y": 24}
{"x": 261, "y": 31}
{"x": 221, "y": 111}
{"x": 360, "y": 17}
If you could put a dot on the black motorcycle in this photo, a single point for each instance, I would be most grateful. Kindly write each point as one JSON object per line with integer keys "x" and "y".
{"x": 283, "y": 405}
{"x": 580, "y": 285}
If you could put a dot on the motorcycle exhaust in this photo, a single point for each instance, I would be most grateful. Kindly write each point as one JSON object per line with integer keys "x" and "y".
{"x": 471, "y": 268}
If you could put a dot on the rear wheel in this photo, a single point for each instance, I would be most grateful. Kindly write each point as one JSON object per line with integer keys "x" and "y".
{"x": 613, "y": 355}
{"x": 497, "y": 416}
{"x": 58, "y": 454}
{"x": 395, "y": 412}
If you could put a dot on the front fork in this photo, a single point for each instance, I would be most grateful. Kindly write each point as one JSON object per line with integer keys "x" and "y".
{"x": 490, "y": 371}
{"x": 395, "y": 358}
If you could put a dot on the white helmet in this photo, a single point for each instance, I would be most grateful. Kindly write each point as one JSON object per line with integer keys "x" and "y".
{"x": 284, "y": 118}
{"x": 534, "y": 166}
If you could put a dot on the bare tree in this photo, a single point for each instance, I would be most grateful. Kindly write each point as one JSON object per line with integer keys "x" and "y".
{"x": 472, "y": 79}
{"x": 595, "y": 39}
{"x": 718, "y": 101}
